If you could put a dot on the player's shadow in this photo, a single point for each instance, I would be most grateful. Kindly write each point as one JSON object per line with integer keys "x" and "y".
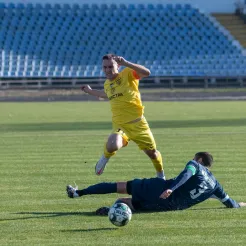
{"x": 178, "y": 211}
{"x": 90, "y": 230}
{"x": 198, "y": 209}
{"x": 43, "y": 215}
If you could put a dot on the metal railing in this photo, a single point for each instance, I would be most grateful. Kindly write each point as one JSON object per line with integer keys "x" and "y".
{"x": 150, "y": 82}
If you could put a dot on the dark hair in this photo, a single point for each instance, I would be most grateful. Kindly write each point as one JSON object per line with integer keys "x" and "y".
{"x": 108, "y": 56}
{"x": 207, "y": 158}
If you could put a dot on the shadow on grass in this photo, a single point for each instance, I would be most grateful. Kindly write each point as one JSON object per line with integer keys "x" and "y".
{"x": 177, "y": 211}
{"x": 199, "y": 209}
{"x": 90, "y": 230}
{"x": 43, "y": 215}
{"x": 85, "y": 126}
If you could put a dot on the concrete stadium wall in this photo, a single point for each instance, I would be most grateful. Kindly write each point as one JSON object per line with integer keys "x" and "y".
{"x": 222, "y": 6}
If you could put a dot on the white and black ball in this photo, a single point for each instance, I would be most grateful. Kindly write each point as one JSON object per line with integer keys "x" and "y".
{"x": 120, "y": 214}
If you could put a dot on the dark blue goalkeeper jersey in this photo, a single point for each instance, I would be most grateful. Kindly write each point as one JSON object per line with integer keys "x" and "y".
{"x": 194, "y": 185}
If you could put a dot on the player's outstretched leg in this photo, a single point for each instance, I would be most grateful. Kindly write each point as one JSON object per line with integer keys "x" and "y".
{"x": 100, "y": 188}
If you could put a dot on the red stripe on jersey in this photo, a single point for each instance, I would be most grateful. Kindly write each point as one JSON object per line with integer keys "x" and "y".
{"x": 135, "y": 75}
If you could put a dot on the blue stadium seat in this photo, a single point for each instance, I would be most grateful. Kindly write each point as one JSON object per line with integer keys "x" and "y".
{"x": 53, "y": 39}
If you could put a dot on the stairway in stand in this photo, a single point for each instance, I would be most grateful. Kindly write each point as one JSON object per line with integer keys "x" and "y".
{"x": 235, "y": 25}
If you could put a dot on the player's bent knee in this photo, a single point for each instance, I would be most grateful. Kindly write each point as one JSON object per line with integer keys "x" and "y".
{"x": 111, "y": 147}
{"x": 114, "y": 143}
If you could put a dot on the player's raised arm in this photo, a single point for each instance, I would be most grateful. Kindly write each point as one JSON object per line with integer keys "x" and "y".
{"x": 97, "y": 93}
{"x": 139, "y": 69}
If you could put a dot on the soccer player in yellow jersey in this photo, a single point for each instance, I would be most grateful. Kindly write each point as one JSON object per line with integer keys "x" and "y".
{"x": 129, "y": 123}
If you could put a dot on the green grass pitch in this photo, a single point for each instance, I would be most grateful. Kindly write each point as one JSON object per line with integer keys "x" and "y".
{"x": 45, "y": 146}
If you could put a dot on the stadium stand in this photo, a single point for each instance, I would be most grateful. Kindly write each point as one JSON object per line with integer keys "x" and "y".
{"x": 62, "y": 40}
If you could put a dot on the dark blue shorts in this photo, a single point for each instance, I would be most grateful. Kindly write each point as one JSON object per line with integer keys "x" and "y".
{"x": 145, "y": 194}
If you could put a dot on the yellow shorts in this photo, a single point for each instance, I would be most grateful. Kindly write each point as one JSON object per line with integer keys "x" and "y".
{"x": 139, "y": 132}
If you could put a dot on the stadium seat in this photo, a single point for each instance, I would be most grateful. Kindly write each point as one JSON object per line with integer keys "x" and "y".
{"x": 53, "y": 39}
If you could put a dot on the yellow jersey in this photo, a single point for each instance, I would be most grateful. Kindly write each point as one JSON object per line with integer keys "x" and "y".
{"x": 124, "y": 96}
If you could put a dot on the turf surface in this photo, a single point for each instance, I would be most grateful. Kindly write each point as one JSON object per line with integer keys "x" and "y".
{"x": 44, "y": 146}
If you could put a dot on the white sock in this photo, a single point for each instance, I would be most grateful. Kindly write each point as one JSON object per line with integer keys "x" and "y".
{"x": 161, "y": 175}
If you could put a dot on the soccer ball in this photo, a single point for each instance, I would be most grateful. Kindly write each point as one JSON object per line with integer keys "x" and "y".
{"x": 120, "y": 214}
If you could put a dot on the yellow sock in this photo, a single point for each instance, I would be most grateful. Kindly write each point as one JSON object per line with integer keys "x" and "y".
{"x": 108, "y": 154}
{"x": 158, "y": 163}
